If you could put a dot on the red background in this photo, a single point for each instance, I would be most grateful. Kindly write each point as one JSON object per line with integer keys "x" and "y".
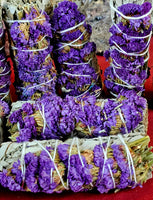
{"x": 144, "y": 193}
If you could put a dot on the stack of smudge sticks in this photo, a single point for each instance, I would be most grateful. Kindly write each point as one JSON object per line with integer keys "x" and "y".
{"x": 78, "y": 144}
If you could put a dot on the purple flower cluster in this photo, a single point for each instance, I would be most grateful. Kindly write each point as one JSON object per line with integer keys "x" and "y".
{"x": 128, "y": 54}
{"x": 126, "y": 78}
{"x": 136, "y": 10}
{"x": 32, "y": 43}
{"x": 79, "y": 174}
{"x": 4, "y": 108}
{"x": 136, "y": 27}
{"x": 74, "y": 55}
{"x": 61, "y": 116}
{"x": 9, "y": 182}
{"x": 125, "y": 180}
{"x": 32, "y": 172}
{"x": 4, "y": 69}
{"x": 26, "y": 123}
{"x": 66, "y": 15}
{"x": 55, "y": 118}
{"x": 104, "y": 181}
{"x": 128, "y": 62}
{"x": 127, "y": 44}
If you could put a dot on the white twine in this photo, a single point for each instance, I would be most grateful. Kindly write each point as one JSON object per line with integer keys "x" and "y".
{"x": 126, "y": 83}
{"x": 18, "y": 126}
{"x": 77, "y": 75}
{"x": 77, "y": 142}
{"x": 23, "y": 167}
{"x": 78, "y": 148}
{"x": 122, "y": 85}
{"x": 34, "y": 70}
{"x": 29, "y": 50}
{"x": 102, "y": 131}
{"x": 128, "y": 17}
{"x": 115, "y": 95}
{"x": 98, "y": 93}
{"x": 4, "y": 85}
{"x": 5, "y": 95}
{"x": 118, "y": 66}
{"x": 148, "y": 55}
{"x": 40, "y": 40}
{"x": 51, "y": 172}
{"x": 117, "y": 107}
{"x": 26, "y": 21}
{"x": 53, "y": 163}
{"x": 71, "y": 28}
{"x": 43, "y": 116}
{"x": 130, "y": 36}
{"x": 85, "y": 63}
{"x": 129, "y": 157}
{"x": 38, "y": 85}
{"x": 139, "y": 93}
{"x": 66, "y": 91}
{"x": 102, "y": 106}
{"x": 70, "y": 151}
{"x": 71, "y": 43}
{"x": 122, "y": 118}
{"x": 79, "y": 45}
{"x": 34, "y": 42}
{"x": 2, "y": 33}
{"x": 103, "y": 103}
{"x": 92, "y": 85}
{"x": 118, "y": 48}
{"x": 3, "y": 60}
{"x": 83, "y": 111}
{"x": 105, "y": 159}
{"x": 111, "y": 173}
{"x": 5, "y": 73}
{"x": 43, "y": 112}
{"x": 1, "y": 48}
{"x": 105, "y": 115}
{"x": 40, "y": 70}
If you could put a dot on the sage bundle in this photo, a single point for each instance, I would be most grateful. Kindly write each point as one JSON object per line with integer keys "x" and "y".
{"x": 129, "y": 46}
{"x": 73, "y": 53}
{"x": 31, "y": 35}
{"x": 55, "y": 118}
{"x": 102, "y": 164}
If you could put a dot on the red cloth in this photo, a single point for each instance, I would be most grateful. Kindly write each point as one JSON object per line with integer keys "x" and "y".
{"x": 144, "y": 193}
